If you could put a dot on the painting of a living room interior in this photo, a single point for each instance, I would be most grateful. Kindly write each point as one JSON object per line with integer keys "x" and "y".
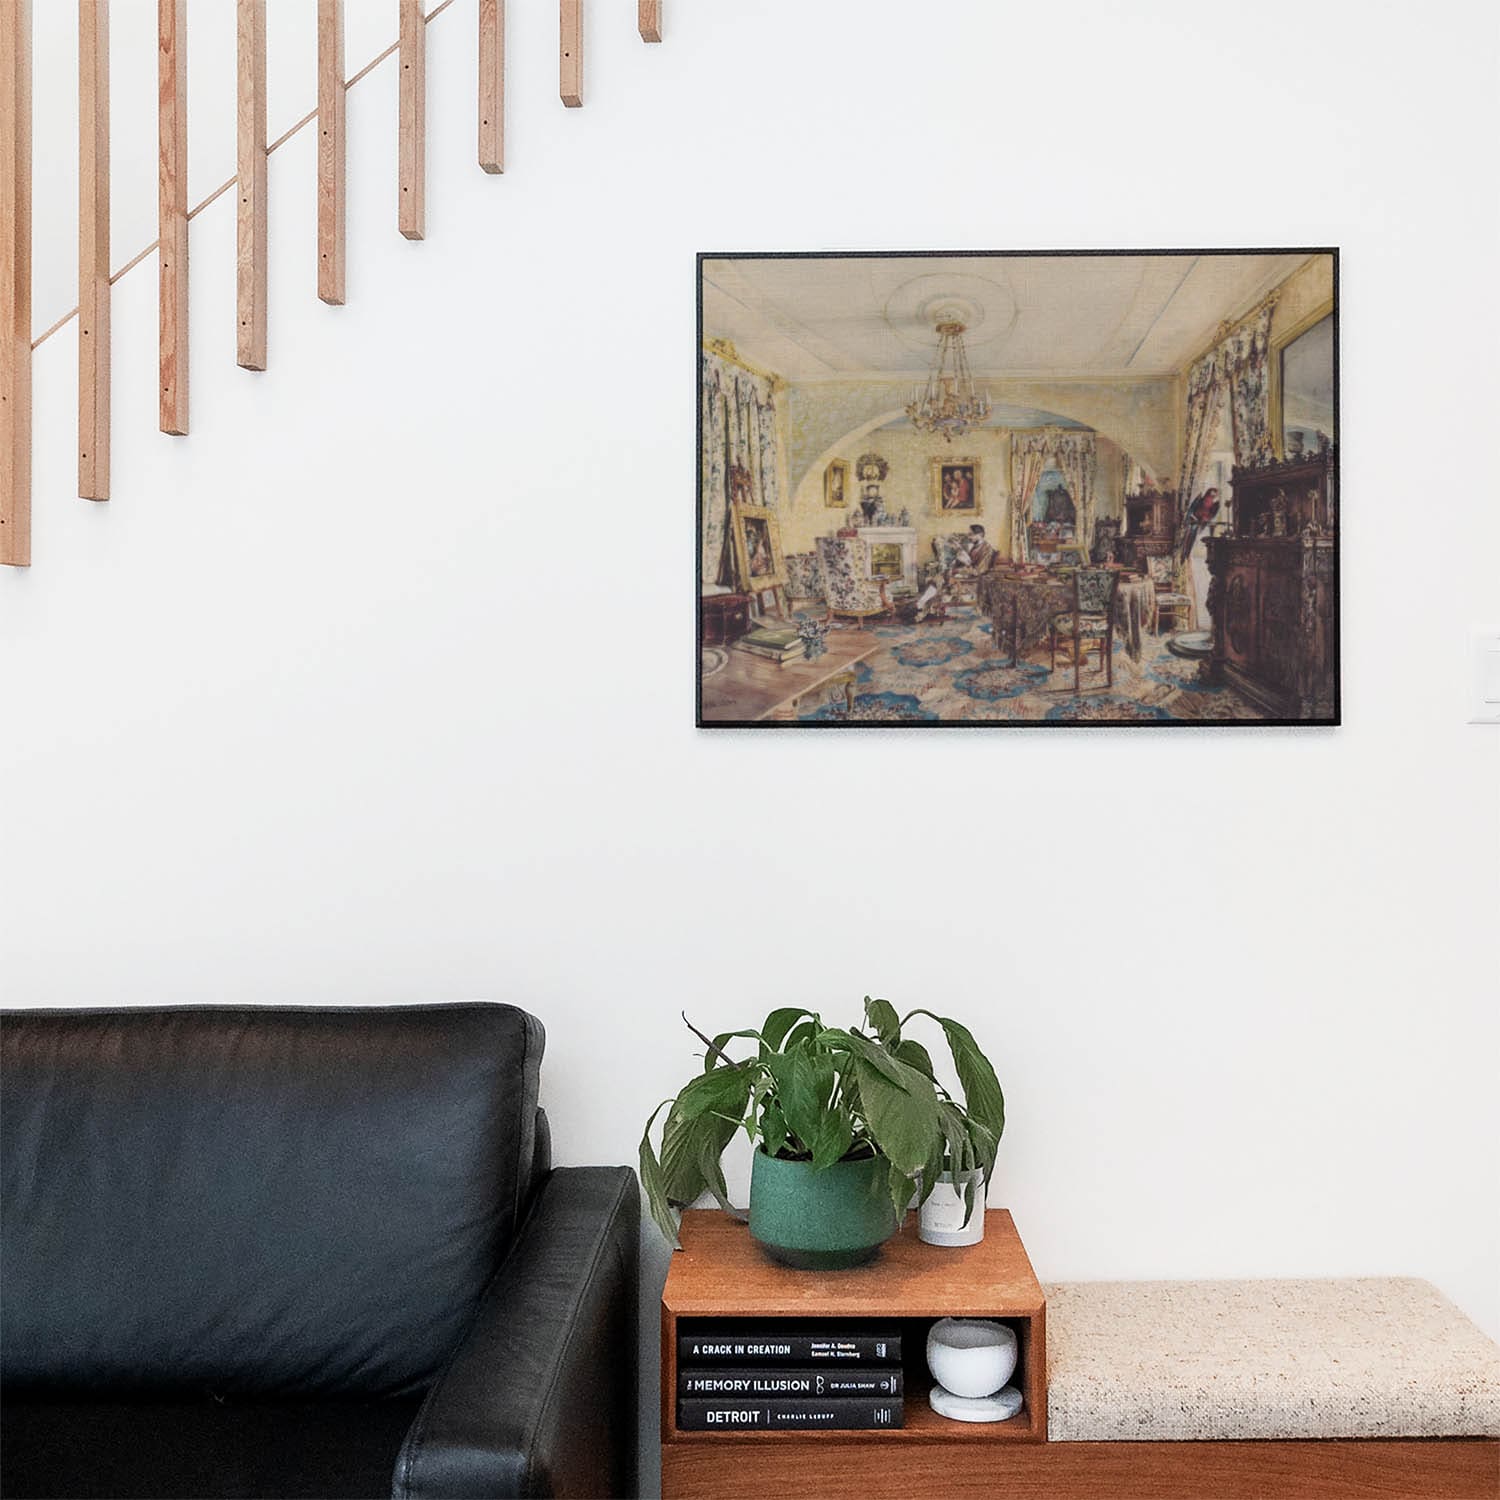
{"x": 1018, "y": 489}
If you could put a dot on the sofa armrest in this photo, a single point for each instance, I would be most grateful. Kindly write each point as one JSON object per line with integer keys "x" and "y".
{"x": 540, "y": 1398}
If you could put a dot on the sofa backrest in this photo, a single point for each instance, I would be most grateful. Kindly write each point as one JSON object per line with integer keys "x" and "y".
{"x": 250, "y": 1200}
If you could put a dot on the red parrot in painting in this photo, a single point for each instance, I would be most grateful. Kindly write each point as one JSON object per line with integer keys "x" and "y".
{"x": 1199, "y": 514}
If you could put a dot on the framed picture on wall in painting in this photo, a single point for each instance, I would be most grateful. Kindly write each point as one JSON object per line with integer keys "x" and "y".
{"x": 955, "y": 486}
{"x": 836, "y": 484}
{"x": 1093, "y": 488}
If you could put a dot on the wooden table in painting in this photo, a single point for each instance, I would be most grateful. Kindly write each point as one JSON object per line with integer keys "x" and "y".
{"x": 748, "y": 688}
{"x": 1021, "y": 609}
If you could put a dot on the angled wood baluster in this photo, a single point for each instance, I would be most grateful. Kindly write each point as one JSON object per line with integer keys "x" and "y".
{"x": 251, "y": 223}
{"x": 648, "y": 20}
{"x": 331, "y": 151}
{"x": 492, "y": 85}
{"x": 570, "y": 52}
{"x": 172, "y": 212}
{"x": 93, "y": 249}
{"x": 412, "y": 130}
{"x": 15, "y": 282}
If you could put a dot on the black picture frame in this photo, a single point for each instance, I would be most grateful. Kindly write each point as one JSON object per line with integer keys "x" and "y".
{"x": 1332, "y": 720}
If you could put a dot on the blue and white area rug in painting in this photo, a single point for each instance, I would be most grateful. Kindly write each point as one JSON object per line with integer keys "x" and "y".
{"x": 946, "y": 672}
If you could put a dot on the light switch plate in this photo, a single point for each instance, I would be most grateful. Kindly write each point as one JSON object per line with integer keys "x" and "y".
{"x": 1484, "y": 646}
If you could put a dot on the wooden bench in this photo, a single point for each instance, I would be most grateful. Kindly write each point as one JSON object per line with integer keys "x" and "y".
{"x": 1226, "y": 1390}
{"x": 1265, "y": 1388}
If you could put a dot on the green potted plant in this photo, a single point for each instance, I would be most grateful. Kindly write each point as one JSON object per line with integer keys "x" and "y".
{"x": 846, "y": 1123}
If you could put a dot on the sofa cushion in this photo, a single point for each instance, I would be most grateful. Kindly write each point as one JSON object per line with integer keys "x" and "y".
{"x": 323, "y": 1449}
{"x": 256, "y": 1201}
{"x": 1154, "y": 1360}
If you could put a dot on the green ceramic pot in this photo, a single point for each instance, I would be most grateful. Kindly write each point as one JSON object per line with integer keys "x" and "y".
{"x": 821, "y": 1221}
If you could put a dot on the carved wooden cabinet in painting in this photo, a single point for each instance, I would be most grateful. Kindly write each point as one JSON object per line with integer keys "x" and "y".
{"x": 1273, "y": 597}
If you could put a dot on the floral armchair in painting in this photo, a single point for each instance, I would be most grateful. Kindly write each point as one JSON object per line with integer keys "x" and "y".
{"x": 946, "y": 549}
{"x": 804, "y": 578}
{"x": 848, "y": 588}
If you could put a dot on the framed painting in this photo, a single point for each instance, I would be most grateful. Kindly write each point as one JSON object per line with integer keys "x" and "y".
{"x": 955, "y": 486}
{"x": 1149, "y": 438}
{"x": 836, "y": 484}
{"x": 759, "y": 561}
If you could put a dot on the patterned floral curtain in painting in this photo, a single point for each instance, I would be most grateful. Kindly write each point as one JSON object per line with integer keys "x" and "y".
{"x": 1028, "y": 457}
{"x": 1244, "y": 358}
{"x": 1205, "y": 400}
{"x": 1237, "y": 369}
{"x": 739, "y": 430}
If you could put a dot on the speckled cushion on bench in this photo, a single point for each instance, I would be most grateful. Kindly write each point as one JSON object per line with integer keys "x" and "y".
{"x": 1163, "y": 1360}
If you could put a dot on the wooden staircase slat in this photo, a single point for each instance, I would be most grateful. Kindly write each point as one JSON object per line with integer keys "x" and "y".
{"x": 412, "y": 126}
{"x": 648, "y": 20}
{"x": 15, "y": 282}
{"x": 331, "y": 151}
{"x": 251, "y": 222}
{"x": 492, "y": 85}
{"x": 570, "y": 52}
{"x": 93, "y": 250}
{"x": 172, "y": 213}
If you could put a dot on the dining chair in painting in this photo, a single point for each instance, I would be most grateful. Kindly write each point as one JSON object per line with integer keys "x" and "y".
{"x": 1092, "y": 618}
{"x": 848, "y": 588}
{"x": 1166, "y": 578}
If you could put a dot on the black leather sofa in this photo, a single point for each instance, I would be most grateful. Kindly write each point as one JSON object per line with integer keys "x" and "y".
{"x": 304, "y": 1252}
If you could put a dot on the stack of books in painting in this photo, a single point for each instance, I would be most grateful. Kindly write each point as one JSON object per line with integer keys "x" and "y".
{"x": 776, "y": 643}
{"x": 834, "y": 1378}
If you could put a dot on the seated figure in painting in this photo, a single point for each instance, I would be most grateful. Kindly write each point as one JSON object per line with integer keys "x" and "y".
{"x": 976, "y": 555}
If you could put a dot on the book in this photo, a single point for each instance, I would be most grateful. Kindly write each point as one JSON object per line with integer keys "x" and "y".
{"x": 778, "y": 638}
{"x": 849, "y": 1413}
{"x": 771, "y": 1348}
{"x": 767, "y": 653}
{"x": 770, "y": 648}
{"x": 867, "y": 1380}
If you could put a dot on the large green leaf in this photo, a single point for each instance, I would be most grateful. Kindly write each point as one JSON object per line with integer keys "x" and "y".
{"x": 804, "y": 1087}
{"x": 900, "y": 1186}
{"x": 773, "y": 1128}
{"x": 882, "y": 1018}
{"x": 723, "y": 1091}
{"x": 914, "y": 1055}
{"x": 779, "y": 1023}
{"x": 654, "y": 1183}
{"x": 902, "y": 1117}
{"x": 873, "y": 1055}
{"x": 832, "y": 1139}
{"x": 715, "y": 1056}
{"x": 682, "y": 1178}
{"x": 982, "y": 1095}
{"x": 932, "y": 1169}
{"x": 686, "y": 1145}
{"x": 712, "y": 1172}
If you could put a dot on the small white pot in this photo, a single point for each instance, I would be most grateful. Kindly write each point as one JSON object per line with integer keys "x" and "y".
{"x": 940, "y": 1221}
{"x": 971, "y": 1356}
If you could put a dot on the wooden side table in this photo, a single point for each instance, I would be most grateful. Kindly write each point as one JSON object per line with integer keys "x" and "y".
{"x": 722, "y": 1273}
{"x": 726, "y": 617}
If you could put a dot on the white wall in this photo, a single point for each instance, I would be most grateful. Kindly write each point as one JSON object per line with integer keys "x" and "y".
{"x": 378, "y": 686}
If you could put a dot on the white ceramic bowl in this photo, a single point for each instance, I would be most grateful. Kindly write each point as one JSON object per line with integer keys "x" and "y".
{"x": 971, "y": 1356}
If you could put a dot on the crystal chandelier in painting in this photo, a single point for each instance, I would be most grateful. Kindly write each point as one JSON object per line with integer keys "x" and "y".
{"x": 949, "y": 403}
